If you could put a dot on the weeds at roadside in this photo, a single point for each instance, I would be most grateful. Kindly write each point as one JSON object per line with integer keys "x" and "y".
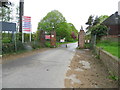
{"x": 113, "y": 77}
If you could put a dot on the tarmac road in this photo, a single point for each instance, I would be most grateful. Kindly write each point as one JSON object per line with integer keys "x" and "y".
{"x": 42, "y": 70}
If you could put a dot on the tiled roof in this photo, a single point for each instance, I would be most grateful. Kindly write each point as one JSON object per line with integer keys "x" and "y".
{"x": 114, "y": 19}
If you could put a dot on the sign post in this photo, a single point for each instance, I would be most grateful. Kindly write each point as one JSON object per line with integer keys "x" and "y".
{"x": 26, "y": 26}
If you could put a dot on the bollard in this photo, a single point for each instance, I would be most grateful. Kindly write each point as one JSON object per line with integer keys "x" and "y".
{"x": 66, "y": 45}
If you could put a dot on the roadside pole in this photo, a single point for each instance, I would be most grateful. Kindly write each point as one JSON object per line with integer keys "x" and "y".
{"x": 22, "y": 37}
{"x": 30, "y": 36}
{"x": 21, "y": 13}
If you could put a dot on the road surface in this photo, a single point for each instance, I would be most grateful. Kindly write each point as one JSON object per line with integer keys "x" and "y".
{"x": 42, "y": 70}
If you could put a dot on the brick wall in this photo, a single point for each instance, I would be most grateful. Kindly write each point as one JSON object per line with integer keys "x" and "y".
{"x": 111, "y": 62}
{"x": 114, "y": 29}
{"x": 111, "y": 38}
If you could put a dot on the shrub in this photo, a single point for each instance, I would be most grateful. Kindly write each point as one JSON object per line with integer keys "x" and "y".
{"x": 10, "y": 47}
{"x": 87, "y": 45}
{"x": 19, "y": 45}
{"x": 47, "y": 44}
{"x": 35, "y": 45}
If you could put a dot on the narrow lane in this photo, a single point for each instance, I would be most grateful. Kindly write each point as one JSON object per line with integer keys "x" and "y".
{"x": 42, "y": 70}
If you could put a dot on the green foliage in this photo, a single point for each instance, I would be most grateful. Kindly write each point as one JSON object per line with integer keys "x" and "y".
{"x": 10, "y": 47}
{"x": 62, "y": 31}
{"x": 6, "y": 40}
{"x": 52, "y": 19}
{"x": 74, "y": 30}
{"x": 90, "y": 20}
{"x": 37, "y": 35}
{"x": 47, "y": 44}
{"x": 112, "y": 76}
{"x": 96, "y": 21}
{"x": 95, "y": 27}
{"x": 99, "y": 31}
{"x": 6, "y": 37}
{"x": 103, "y": 17}
{"x": 35, "y": 45}
{"x": 87, "y": 45}
{"x": 19, "y": 45}
{"x": 6, "y": 14}
{"x": 55, "y": 19}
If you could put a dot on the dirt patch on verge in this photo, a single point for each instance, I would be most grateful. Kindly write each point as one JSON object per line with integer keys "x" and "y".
{"x": 85, "y": 71}
{"x": 24, "y": 54}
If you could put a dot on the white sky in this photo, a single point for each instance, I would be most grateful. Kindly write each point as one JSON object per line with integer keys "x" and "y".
{"x": 75, "y": 11}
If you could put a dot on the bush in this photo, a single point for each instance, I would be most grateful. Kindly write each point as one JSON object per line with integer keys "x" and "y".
{"x": 19, "y": 45}
{"x": 35, "y": 45}
{"x": 47, "y": 44}
{"x": 87, "y": 45}
{"x": 6, "y": 41}
{"x": 10, "y": 47}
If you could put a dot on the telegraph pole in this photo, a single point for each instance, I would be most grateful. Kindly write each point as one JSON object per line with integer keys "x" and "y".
{"x": 21, "y": 13}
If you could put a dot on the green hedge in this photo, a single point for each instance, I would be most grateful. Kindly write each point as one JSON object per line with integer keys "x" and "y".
{"x": 35, "y": 45}
{"x": 47, "y": 44}
{"x": 10, "y": 47}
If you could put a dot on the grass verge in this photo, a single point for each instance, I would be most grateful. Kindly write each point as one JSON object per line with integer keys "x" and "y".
{"x": 111, "y": 47}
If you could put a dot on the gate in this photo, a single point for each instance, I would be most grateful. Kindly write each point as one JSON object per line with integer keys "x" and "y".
{"x": 52, "y": 38}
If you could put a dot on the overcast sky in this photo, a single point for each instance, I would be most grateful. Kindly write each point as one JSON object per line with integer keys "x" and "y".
{"x": 75, "y": 11}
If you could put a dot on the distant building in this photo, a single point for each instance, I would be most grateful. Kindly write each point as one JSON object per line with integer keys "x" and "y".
{"x": 113, "y": 24}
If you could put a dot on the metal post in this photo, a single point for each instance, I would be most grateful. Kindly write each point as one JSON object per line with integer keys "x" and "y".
{"x": 95, "y": 41}
{"x": 30, "y": 36}
{"x": 22, "y": 37}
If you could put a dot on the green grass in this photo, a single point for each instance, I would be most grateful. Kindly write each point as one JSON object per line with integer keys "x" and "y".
{"x": 111, "y": 47}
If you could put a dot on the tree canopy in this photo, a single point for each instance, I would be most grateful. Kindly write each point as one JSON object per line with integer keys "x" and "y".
{"x": 56, "y": 20}
{"x": 51, "y": 20}
{"x": 95, "y": 27}
{"x": 6, "y": 10}
{"x": 5, "y": 4}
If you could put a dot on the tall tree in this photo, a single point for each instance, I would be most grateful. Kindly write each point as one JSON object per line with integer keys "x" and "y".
{"x": 74, "y": 31}
{"x": 96, "y": 21}
{"x": 95, "y": 27}
{"x": 51, "y": 20}
{"x": 64, "y": 31}
{"x": 99, "y": 31}
{"x": 5, "y": 4}
{"x": 103, "y": 17}
{"x": 90, "y": 21}
{"x": 56, "y": 20}
{"x": 5, "y": 11}
{"x": 5, "y": 14}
